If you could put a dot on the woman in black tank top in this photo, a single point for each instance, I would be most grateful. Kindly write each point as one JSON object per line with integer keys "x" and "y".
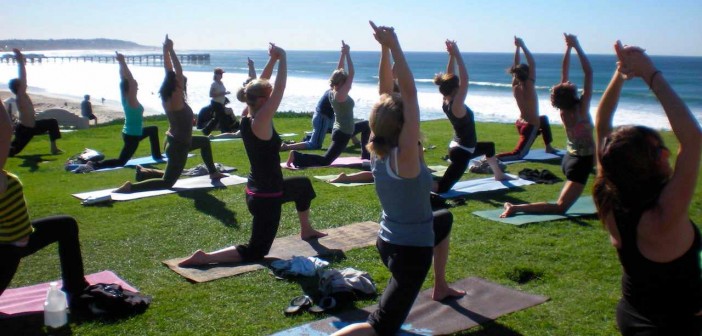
{"x": 266, "y": 189}
{"x": 644, "y": 204}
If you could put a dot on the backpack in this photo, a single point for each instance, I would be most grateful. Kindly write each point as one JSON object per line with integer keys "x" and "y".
{"x": 111, "y": 300}
{"x": 348, "y": 284}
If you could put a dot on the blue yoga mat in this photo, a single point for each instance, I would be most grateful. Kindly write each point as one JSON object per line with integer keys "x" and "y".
{"x": 584, "y": 206}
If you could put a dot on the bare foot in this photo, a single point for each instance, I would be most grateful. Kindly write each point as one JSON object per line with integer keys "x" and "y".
{"x": 312, "y": 234}
{"x": 56, "y": 151}
{"x": 509, "y": 210}
{"x": 125, "y": 188}
{"x": 551, "y": 150}
{"x": 217, "y": 176}
{"x": 291, "y": 159}
{"x": 446, "y": 292}
{"x": 341, "y": 178}
{"x": 197, "y": 258}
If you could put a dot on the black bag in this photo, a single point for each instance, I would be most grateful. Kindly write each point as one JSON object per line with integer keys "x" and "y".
{"x": 204, "y": 116}
{"x": 111, "y": 300}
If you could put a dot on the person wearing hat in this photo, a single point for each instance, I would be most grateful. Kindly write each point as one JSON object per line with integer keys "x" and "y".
{"x": 86, "y": 109}
{"x": 217, "y": 93}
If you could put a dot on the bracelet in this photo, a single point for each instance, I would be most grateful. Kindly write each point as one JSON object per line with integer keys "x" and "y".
{"x": 653, "y": 76}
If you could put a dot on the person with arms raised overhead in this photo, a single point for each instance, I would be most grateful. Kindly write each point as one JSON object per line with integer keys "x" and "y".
{"x": 644, "y": 204}
{"x": 266, "y": 189}
{"x": 529, "y": 124}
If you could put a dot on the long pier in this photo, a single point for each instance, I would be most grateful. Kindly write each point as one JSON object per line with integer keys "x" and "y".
{"x": 133, "y": 59}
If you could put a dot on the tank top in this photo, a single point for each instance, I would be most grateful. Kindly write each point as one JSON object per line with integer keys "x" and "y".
{"x": 343, "y": 113}
{"x": 407, "y": 218}
{"x": 580, "y": 140}
{"x": 671, "y": 288}
{"x": 463, "y": 128}
{"x": 181, "y": 124}
{"x": 266, "y": 176}
{"x": 133, "y": 118}
{"x": 14, "y": 218}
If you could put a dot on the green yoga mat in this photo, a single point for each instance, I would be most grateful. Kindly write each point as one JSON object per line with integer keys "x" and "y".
{"x": 584, "y": 206}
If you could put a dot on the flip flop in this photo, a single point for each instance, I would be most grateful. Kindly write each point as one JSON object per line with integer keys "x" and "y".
{"x": 325, "y": 304}
{"x": 298, "y": 305}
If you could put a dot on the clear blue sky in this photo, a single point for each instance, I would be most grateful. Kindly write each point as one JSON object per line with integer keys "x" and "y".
{"x": 671, "y": 27}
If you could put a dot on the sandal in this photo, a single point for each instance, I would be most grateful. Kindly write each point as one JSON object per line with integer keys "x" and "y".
{"x": 298, "y": 305}
{"x": 325, "y": 304}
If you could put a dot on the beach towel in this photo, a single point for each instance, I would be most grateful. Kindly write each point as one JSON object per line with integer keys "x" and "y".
{"x": 464, "y": 188}
{"x": 584, "y": 206}
{"x": 484, "y": 301}
{"x": 182, "y": 184}
{"x": 24, "y": 300}
{"x": 348, "y": 162}
{"x": 339, "y": 240}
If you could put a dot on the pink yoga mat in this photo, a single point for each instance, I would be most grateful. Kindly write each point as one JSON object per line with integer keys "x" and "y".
{"x": 31, "y": 298}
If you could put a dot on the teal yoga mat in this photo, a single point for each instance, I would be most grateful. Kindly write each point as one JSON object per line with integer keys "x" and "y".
{"x": 584, "y": 206}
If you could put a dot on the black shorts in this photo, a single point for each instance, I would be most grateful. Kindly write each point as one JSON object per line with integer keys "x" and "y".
{"x": 577, "y": 168}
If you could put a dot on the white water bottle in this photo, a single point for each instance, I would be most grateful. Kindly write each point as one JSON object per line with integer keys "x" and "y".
{"x": 55, "y": 306}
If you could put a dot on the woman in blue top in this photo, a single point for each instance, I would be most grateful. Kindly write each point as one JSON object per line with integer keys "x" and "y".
{"x": 266, "y": 189}
{"x": 344, "y": 126}
{"x": 133, "y": 132}
{"x": 410, "y": 234}
{"x": 575, "y": 113}
{"x": 645, "y": 206}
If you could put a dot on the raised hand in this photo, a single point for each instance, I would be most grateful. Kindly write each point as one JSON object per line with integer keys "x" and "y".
{"x": 168, "y": 43}
{"x": 249, "y": 61}
{"x": 275, "y": 51}
{"x": 119, "y": 57}
{"x": 633, "y": 62}
{"x": 345, "y": 49}
{"x": 18, "y": 55}
{"x": 571, "y": 40}
{"x": 384, "y": 35}
{"x": 518, "y": 42}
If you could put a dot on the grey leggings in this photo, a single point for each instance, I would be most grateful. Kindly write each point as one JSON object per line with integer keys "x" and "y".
{"x": 177, "y": 153}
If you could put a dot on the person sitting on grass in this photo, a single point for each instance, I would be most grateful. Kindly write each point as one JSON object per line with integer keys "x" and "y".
{"x": 644, "y": 204}
{"x": 266, "y": 189}
{"x": 132, "y": 132}
{"x": 529, "y": 124}
{"x": 410, "y": 235}
{"x": 575, "y": 114}
{"x": 464, "y": 145}
{"x": 28, "y": 126}
{"x": 179, "y": 138}
{"x": 344, "y": 125}
{"x": 21, "y": 237}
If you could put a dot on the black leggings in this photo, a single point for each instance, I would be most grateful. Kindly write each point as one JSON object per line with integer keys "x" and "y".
{"x": 632, "y": 323}
{"x": 409, "y": 266}
{"x": 177, "y": 153}
{"x": 459, "y": 162}
{"x": 339, "y": 142}
{"x": 131, "y": 143}
{"x": 219, "y": 118}
{"x": 24, "y": 134}
{"x": 61, "y": 229}
{"x": 266, "y": 215}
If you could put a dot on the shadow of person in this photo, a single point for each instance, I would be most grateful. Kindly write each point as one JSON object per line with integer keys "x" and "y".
{"x": 493, "y": 328}
{"x": 210, "y": 205}
{"x": 32, "y": 161}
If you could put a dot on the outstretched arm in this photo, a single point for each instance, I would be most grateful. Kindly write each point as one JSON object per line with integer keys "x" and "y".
{"x": 21, "y": 69}
{"x": 343, "y": 91}
{"x": 517, "y": 59}
{"x": 385, "y": 80}
{"x": 451, "y": 66}
{"x": 565, "y": 68}
{"x": 252, "y": 70}
{"x": 264, "y": 116}
{"x": 457, "y": 108}
{"x": 167, "y": 64}
{"x": 530, "y": 60}
{"x": 268, "y": 69}
{"x": 587, "y": 72}
{"x": 5, "y": 138}
{"x": 123, "y": 68}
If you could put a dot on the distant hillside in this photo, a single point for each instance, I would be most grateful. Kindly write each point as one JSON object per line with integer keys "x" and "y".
{"x": 69, "y": 44}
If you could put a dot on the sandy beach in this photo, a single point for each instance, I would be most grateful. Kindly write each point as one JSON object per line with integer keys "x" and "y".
{"x": 104, "y": 113}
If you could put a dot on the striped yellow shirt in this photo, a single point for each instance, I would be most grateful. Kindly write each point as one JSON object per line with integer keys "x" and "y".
{"x": 14, "y": 219}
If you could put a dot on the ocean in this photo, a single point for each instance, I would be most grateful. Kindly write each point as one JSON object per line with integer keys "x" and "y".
{"x": 489, "y": 94}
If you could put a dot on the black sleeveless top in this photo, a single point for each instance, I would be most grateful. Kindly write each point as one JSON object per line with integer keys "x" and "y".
{"x": 673, "y": 288}
{"x": 464, "y": 128}
{"x": 266, "y": 176}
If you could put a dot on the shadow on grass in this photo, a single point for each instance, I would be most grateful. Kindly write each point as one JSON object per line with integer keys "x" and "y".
{"x": 32, "y": 161}
{"x": 210, "y": 205}
{"x": 33, "y": 323}
{"x": 492, "y": 328}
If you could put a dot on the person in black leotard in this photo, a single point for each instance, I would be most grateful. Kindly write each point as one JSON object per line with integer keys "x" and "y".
{"x": 464, "y": 145}
{"x": 645, "y": 206}
{"x": 266, "y": 189}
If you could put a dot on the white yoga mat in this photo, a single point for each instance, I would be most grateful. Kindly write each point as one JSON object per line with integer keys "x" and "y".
{"x": 182, "y": 184}
{"x": 463, "y": 188}
{"x": 346, "y": 161}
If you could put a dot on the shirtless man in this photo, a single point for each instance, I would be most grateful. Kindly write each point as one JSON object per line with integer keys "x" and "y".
{"x": 529, "y": 124}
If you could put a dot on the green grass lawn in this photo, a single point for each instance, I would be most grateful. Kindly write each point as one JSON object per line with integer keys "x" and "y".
{"x": 571, "y": 262}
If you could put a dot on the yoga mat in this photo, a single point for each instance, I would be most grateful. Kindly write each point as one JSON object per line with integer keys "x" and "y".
{"x": 147, "y": 160}
{"x": 438, "y": 171}
{"x": 347, "y": 161}
{"x": 339, "y": 239}
{"x": 584, "y": 206}
{"x": 484, "y": 301}
{"x": 182, "y": 184}
{"x": 464, "y": 188}
{"x": 31, "y": 298}
{"x": 326, "y": 178}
